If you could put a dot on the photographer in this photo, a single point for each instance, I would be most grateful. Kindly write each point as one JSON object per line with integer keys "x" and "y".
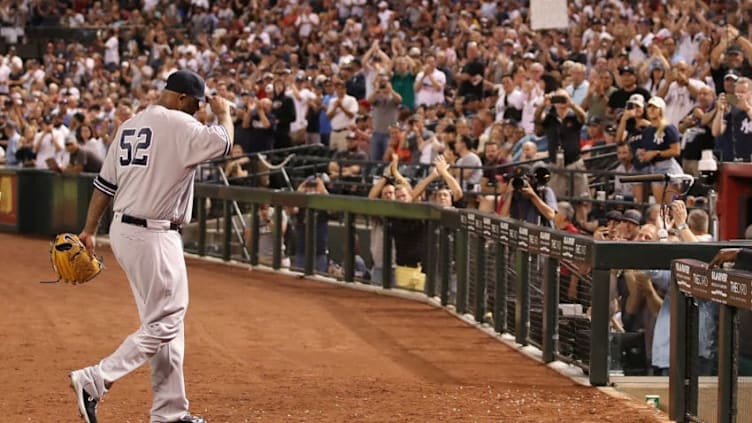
{"x": 314, "y": 184}
{"x": 527, "y": 198}
{"x": 385, "y": 104}
{"x": 563, "y": 124}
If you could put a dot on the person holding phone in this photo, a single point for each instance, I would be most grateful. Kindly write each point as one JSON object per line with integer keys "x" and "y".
{"x": 562, "y": 124}
{"x": 631, "y": 125}
{"x": 732, "y": 125}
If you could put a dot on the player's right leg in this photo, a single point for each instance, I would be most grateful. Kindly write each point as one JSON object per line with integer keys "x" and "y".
{"x": 161, "y": 296}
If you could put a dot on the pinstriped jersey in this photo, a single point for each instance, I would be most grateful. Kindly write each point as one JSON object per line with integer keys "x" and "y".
{"x": 149, "y": 168}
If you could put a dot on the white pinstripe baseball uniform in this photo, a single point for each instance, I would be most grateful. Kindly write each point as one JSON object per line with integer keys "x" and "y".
{"x": 149, "y": 170}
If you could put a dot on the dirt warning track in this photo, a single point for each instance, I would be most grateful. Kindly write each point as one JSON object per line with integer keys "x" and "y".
{"x": 262, "y": 347}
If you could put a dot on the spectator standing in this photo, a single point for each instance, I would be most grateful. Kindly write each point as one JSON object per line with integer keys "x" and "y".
{"x": 599, "y": 92}
{"x": 631, "y": 125}
{"x": 429, "y": 84}
{"x": 580, "y": 86}
{"x": 563, "y": 124}
{"x": 340, "y": 167}
{"x": 11, "y": 143}
{"x": 48, "y": 144}
{"x": 259, "y": 121}
{"x": 325, "y": 125}
{"x": 85, "y": 136}
{"x": 732, "y": 125}
{"x": 385, "y": 102}
{"x": 303, "y": 97}
{"x": 618, "y": 99}
{"x": 471, "y": 74}
{"x": 680, "y": 92}
{"x": 470, "y": 177}
{"x": 733, "y": 52}
{"x": 81, "y": 160}
{"x": 659, "y": 146}
{"x": 696, "y": 132}
{"x": 313, "y": 185}
{"x": 283, "y": 108}
{"x": 532, "y": 204}
{"x": 624, "y": 156}
{"x": 403, "y": 81}
{"x": 510, "y": 100}
{"x": 341, "y": 112}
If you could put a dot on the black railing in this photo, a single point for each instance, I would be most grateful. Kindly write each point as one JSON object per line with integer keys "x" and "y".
{"x": 731, "y": 292}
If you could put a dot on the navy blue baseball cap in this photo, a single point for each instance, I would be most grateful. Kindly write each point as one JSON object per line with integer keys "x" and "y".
{"x": 188, "y": 83}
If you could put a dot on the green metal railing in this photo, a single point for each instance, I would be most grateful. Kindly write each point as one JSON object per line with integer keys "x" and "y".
{"x": 481, "y": 264}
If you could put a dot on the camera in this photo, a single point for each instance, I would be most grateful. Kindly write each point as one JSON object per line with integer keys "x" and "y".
{"x": 708, "y": 167}
{"x": 558, "y": 99}
{"x": 630, "y": 106}
{"x": 537, "y": 178}
{"x": 312, "y": 181}
{"x": 382, "y": 85}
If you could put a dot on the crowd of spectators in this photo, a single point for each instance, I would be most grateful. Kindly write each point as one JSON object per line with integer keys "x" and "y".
{"x": 463, "y": 87}
{"x": 415, "y": 78}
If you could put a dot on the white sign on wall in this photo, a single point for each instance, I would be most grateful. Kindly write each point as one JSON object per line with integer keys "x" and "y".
{"x": 548, "y": 14}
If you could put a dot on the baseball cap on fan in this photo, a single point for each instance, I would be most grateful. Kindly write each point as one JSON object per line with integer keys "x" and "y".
{"x": 188, "y": 83}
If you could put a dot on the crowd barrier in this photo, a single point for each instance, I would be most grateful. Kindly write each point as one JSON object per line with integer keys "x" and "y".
{"x": 498, "y": 270}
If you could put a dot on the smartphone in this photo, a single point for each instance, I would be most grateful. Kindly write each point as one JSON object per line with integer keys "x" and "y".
{"x": 558, "y": 99}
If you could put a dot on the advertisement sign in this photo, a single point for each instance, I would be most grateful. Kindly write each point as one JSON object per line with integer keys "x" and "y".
{"x": 9, "y": 199}
{"x": 732, "y": 287}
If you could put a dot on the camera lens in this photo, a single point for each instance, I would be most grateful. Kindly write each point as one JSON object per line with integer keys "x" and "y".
{"x": 518, "y": 183}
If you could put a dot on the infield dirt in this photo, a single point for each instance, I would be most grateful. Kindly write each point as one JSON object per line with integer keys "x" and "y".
{"x": 262, "y": 347}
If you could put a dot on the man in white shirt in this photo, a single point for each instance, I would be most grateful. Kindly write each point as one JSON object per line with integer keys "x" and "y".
{"x": 679, "y": 93}
{"x": 111, "y": 51}
{"x": 301, "y": 96}
{"x": 341, "y": 112}
{"x": 429, "y": 84}
{"x": 306, "y": 22}
{"x": 510, "y": 100}
{"x": 579, "y": 87}
{"x": 48, "y": 144}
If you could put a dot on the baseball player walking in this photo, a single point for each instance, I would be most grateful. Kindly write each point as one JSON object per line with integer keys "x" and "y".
{"x": 148, "y": 173}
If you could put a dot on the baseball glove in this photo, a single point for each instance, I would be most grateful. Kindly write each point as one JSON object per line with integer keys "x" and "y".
{"x": 71, "y": 261}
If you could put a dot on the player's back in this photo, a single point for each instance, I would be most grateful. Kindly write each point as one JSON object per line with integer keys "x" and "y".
{"x": 151, "y": 162}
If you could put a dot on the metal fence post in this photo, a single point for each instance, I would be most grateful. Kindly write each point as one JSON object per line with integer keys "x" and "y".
{"x": 387, "y": 280}
{"x": 460, "y": 262}
{"x": 254, "y": 226}
{"x": 550, "y": 310}
{"x": 310, "y": 241}
{"x": 444, "y": 264}
{"x": 349, "y": 259}
{"x": 227, "y": 230}
{"x": 677, "y": 381}
{"x": 277, "y": 234}
{"x": 430, "y": 266}
{"x": 201, "y": 205}
{"x": 728, "y": 347}
{"x": 500, "y": 301}
{"x": 522, "y": 305}
{"x": 480, "y": 280}
{"x": 599, "y": 319}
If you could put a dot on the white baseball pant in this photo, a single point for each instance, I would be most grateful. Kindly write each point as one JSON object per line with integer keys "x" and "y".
{"x": 153, "y": 261}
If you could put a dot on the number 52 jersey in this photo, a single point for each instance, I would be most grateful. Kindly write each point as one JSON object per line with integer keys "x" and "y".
{"x": 150, "y": 165}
